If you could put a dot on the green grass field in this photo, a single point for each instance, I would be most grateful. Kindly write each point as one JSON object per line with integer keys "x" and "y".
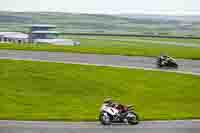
{"x": 55, "y": 91}
{"x": 195, "y": 41}
{"x": 178, "y": 40}
{"x": 132, "y": 48}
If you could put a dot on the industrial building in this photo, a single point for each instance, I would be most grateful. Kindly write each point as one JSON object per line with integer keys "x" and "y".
{"x": 37, "y": 34}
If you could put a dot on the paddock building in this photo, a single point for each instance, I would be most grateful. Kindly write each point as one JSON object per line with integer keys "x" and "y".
{"x": 38, "y": 33}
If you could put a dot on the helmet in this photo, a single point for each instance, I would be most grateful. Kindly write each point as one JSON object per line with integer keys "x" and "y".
{"x": 163, "y": 54}
{"x": 108, "y": 100}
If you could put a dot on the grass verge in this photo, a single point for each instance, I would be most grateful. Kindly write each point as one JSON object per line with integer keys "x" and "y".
{"x": 56, "y": 91}
{"x": 132, "y": 48}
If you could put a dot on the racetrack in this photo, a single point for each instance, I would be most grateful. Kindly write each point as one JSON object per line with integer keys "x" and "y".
{"x": 147, "y": 63}
{"x": 187, "y": 126}
{"x": 186, "y": 66}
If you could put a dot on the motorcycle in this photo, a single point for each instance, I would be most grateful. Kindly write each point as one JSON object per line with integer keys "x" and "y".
{"x": 166, "y": 62}
{"x": 119, "y": 114}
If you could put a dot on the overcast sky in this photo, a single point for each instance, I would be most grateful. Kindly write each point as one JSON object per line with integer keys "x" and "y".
{"x": 178, "y": 7}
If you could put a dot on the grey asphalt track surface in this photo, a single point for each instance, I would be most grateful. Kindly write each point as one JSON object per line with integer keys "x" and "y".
{"x": 147, "y": 63}
{"x": 188, "y": 126}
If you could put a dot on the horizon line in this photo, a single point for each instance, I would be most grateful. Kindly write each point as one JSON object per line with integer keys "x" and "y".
{"x": 99, "y": 13}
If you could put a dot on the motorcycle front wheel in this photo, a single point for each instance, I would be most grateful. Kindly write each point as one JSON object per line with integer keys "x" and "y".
{"x": 104, "y": 119}
{"x": 134, "y": 119}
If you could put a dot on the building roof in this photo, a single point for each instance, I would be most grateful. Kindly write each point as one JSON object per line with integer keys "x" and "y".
{"x": 45, "y": 32}
{"x": 42, "y": 26}
{"x": 15, "y": 35}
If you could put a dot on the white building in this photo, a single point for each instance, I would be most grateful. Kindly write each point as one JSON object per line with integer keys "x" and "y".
{"x": 15, "y": 37}
{"x": 38, "y": 34}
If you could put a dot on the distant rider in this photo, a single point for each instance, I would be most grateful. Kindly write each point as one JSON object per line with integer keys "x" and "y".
{"x": 164, "y": 59}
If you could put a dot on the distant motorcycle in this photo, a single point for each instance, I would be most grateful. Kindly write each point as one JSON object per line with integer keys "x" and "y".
{"x": 166, "y": 61}
{"x": 117, "y": 114}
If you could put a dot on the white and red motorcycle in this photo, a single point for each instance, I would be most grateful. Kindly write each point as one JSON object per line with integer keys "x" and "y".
{"x": 117, "y": 114}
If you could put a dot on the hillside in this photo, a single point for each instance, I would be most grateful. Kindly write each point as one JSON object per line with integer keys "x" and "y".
{"x": 68, "y": 22}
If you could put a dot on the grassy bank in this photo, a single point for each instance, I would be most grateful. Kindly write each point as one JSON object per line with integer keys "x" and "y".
{"x": 52, "y": 91}
{"x": 178, "y": 40}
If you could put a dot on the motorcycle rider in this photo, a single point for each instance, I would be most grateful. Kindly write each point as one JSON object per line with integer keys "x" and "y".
{"x": 113, "y": 112}
{"x": 164, "y": 59}
{"x": 109, "y": 102}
